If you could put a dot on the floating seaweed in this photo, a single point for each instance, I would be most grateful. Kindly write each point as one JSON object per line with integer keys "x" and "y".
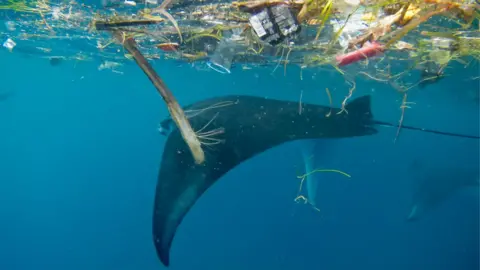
{"x": 356, "y": 38}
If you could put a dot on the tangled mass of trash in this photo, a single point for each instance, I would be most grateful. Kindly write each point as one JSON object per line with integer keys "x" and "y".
{"x": 423, "y": 33}
{"x": 381, "y": 40}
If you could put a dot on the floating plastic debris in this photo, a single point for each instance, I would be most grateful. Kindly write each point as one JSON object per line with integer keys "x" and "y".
{"x": 109, "y": 65}
{"x": 368, "y": 50}
{"x": 439, "y": 43}
{"x": 351, "y": 27}
{"x": 168, "y": 47}
{"x": 10, "y": 26}
{"x": 402, "y": 45}
{"x": 56, "y": 13}
{"x": 274, "y": 24}
{"x": 221, "y": 60}
{"x": 9, "y": 44}
{"x": 129, "y": 3}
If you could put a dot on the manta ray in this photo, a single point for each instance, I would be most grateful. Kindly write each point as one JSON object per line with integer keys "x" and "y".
{"x": 232, "y": 130}
{"x": 436, "y": 186}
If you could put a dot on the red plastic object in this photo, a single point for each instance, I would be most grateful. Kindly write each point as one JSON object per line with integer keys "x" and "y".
{"x": 368, "y": 50}
{"x": 168, "y": 47}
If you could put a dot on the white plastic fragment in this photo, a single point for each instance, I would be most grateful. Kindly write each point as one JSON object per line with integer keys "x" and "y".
{"x": 130, "y": 3}
{"x": 9, "y": 44}
{"x": 352, "y": 2}
{"x": 346, "y": 6}
{"x": 153, "y": 2}
{"x": 442, "y": 43}
{"x": 56, "y": 13}
{"x": 353, "y": 27}
{"x": 111, "y": 66}
{"x": 10, "y": 26}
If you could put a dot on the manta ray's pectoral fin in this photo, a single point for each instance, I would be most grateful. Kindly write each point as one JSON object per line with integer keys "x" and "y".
{"x": 181, "y": 183}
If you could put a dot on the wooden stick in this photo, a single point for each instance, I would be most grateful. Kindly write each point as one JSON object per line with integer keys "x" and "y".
{"x": 173, "y": 107}
{"x": 104, "y": 25}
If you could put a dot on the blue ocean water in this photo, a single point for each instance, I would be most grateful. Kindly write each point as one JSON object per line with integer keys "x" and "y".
{"x": 80, "y": 152}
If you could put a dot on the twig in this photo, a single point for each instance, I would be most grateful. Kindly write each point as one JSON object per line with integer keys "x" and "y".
{"x": 402, "y": 107}
{"x": 162, "y": 9}
{"x": 278, "y": 63}
{"x": 350, "y": 93}
{"x": 104, "y": 25}
{"x": 330, "y": 101}
{"x": 300, "y": 103}
{"x": 174, "y": 108}
{"x": 286, "y": 62}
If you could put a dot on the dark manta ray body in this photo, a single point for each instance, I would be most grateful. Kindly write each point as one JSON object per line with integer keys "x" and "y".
{"x": 250, "y": 126}
{"x": 240, "y": 127}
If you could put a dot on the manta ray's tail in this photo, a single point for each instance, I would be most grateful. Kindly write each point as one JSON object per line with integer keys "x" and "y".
{"x": 386, "y": 124}
{"x": 359, "y": 112}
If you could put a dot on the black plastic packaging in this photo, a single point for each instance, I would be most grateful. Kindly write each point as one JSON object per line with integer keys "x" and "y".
{"x": 275, "y": 23}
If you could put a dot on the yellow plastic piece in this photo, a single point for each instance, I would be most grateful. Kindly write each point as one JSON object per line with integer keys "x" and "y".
{"x": 369, "y": 17}
{"x": 412, "y": 11}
